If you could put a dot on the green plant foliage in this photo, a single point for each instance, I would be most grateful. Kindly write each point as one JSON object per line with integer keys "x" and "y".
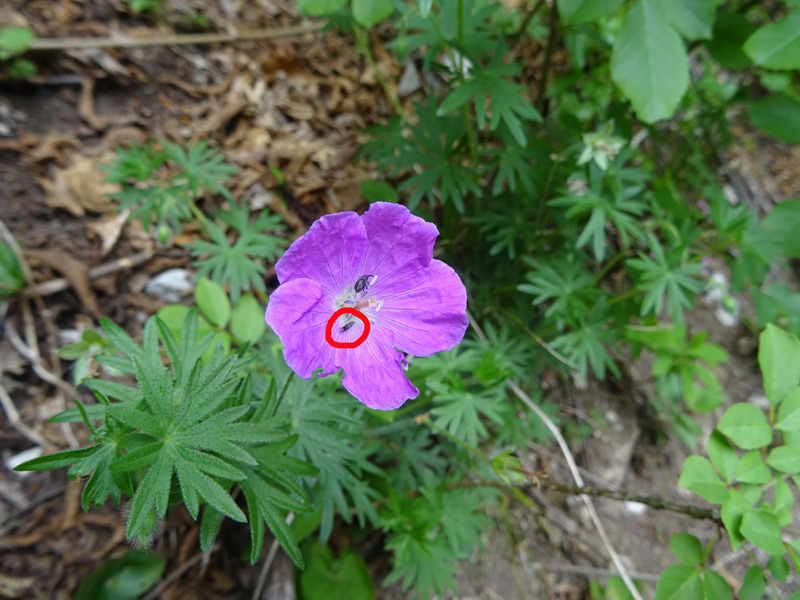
{"x": 776, "y": 45}
{"x": 649, "y": 62}
{"x": 779, "y": 116}
{"x": 11, "y": 278}
{"x": 575, "y": 12}
{"x": 125, "y": 578}
{"x": 241, "y": 264}
{"x": 327, "y": 577}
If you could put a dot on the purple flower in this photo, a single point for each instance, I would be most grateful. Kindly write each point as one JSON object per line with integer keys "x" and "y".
{"x": 381, "y": 265}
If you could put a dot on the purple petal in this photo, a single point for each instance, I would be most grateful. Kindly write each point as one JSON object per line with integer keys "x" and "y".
{"x": 330, "y": 253}
{"x": 298, "y": 312}
{"x": 399, "y": 245}
{"x": 374, "y": 375}
{"x": 427, "y": 317}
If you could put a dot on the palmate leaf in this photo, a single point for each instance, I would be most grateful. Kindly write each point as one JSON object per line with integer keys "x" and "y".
{"x": 239, "y": 264}
{"x": 460, "y": 410}
{"x": 670, "y": 278}
{"x": 329, "y": 437}
{"x": 509, "y": 105}
{"x": 187, "y": 433}
{"x": 202, "y": 167}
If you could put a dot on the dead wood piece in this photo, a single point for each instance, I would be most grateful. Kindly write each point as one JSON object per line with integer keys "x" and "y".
{"x": 87, "y": 113}
{"x": 75, "y": 272}
{"x": 54, "y": 286}
{"x": 139, "y": 38}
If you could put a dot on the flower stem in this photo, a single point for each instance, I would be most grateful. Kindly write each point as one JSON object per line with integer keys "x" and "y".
{"x": 362, "y": 39}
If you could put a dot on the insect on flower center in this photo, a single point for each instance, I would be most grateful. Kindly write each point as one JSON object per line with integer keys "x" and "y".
{"x": 360, "y": 297}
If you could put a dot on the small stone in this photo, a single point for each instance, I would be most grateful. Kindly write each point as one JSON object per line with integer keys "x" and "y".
{"x": 170, "y": 285}
{"x": 635, "y": 508}
{"x": 410, "y": 81}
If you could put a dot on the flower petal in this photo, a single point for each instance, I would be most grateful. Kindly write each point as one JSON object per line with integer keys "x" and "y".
{"x": 298, "y": 312}
{"x": 398, "y": 246}
{"x": 373, "y": 373}
{"x": 330, "y": 253}
{"x": 428, "y": 317}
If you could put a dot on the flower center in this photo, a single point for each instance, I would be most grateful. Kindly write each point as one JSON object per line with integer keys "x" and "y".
{"x": 358, "y": 296}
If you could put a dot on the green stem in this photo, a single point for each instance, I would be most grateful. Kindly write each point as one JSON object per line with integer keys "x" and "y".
{"x": 459, "y": 441}
{"x": 362, "y": 40}
{"x": 548, "y": 57}
{"x": 283, "y": 391}
{"x": 622, "y": 297}
{"x": 609, "y": 265}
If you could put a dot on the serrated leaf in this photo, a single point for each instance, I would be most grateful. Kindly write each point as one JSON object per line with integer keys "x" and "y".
{"x": 649, "y": 63}
{"x": 95, "y": 412}
{"x": 57, "y": 459}
{"x": 776, "y": 45}
{"x": 746, "y": 426}
{"x": 114, "y": 389}
{"x": 136, "y": 459}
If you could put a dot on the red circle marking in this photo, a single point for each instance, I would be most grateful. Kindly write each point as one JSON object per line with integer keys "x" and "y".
{"x": 332, "y": 320}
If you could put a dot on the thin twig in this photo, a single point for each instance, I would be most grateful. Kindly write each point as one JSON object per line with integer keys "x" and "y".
{"x": 593, "y": 571}
{"x": 169, "y": 579}
{"x": 53, "y": 286}
{"x": 16, "y": 422}
{"x": 579, "y": 481}
{"x": 36, "y": 362}
{"x": 273, "y": 549}
{"x": 173, "y": 39}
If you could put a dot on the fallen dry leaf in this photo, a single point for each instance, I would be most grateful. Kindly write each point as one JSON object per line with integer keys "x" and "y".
{"x": 74, "y": 271}
{"x": 80, "y": 188}
{"x": 108, "y": 228}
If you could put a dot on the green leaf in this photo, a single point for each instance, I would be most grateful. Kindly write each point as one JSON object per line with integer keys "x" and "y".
{"x": 14, "y": 40}
{"x": 575, "y": 12}
{"x": 57, "y": 459}
{"x": 715, "y": 587}
{"x": 378, "y": 191}
{"x": 136, "y": 459}
{"x": 776, "y": 45}
{"x": 693, "y": 19}
{"x": 753, "y": 585}
{"x": 731, "y": 30}
{"x": 779, "y": 567}
{"x": 779, "y": 358}
{"x": 777, "y": 115}
{"x": 779, "y": 226}
{"x": 723, "y": 456}
{"x": 247, "y": 319}
{"x": 763, "y": 530}
{"x": 699, "y": 476}
{"x": 649, "y": 63}
{"x": 752, "y": 469}
{"x": 325, "y": 577}
{"x": 124, "y": 578}
{"x": 320, "y": 8}
{"x": 95, "y": 412}
{"x": 785, "y": 459}
{"x": 680, "y": 582}
{"x": 213, "y": 302}
{"x": 746, "y": 426}
{"x": 687, "y": 548}
{"x": 368, "y": 13}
